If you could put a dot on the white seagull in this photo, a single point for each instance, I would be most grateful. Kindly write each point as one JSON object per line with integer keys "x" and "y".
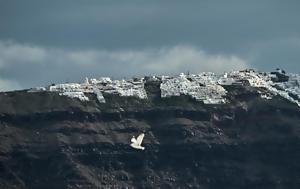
{"x": 136, "y": 142}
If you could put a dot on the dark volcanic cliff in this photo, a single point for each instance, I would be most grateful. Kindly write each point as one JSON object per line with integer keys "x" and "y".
{"x": 51, "y": 141}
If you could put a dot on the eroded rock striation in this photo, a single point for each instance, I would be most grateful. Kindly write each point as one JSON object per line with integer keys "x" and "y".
{"x": 246, "y": 135}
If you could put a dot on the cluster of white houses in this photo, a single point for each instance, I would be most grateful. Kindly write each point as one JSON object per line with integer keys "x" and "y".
{"x": 288, "y": 89}
{"x": 201, "y": 87}
{"x": 100, "y": 86}
{"x": 205, "y": 87}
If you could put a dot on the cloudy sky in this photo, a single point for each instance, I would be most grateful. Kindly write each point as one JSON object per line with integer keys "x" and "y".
{"x": 44, "y": 42}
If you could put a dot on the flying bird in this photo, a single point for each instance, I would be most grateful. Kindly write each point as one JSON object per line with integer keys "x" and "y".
{"x": 136, "y": 142}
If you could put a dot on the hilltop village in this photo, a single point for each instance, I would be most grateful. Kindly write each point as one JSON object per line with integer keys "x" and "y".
{"x": 206, "y": 87}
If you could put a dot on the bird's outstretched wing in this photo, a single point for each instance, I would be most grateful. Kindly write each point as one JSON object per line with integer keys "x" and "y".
{"x": 133, "y": 140}
{"x": 140, "y": 138}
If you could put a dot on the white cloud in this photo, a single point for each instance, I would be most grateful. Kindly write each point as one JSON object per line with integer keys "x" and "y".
{"x": 184, "y": 58}
{"x": 165, "y": 60}
{"x": 17, "y": 53}
{"x": 32, "y": 65}
{"x": 8, "y": 85}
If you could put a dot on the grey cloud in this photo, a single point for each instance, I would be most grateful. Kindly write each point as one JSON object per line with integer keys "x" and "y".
{"x": 34, "y": 65}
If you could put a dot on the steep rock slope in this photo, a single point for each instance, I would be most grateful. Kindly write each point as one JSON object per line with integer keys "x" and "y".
{"x": 52, "y": 141}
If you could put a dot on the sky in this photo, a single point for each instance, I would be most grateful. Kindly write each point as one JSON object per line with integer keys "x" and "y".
{"x": 44, "y": 42}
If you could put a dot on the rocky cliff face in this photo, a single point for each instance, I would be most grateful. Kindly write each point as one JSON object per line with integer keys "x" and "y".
{"x": 52, "y": 141}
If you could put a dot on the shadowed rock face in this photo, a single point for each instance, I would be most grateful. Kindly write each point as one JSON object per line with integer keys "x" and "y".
{"x": 51, "y": 141}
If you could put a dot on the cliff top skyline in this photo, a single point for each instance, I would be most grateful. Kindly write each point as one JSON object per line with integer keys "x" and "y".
{"x": 59, "y": 41}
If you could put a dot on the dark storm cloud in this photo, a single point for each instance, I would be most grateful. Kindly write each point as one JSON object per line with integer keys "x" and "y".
{"x": 214, "y": 25}
{"x": 265, "y": 34}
